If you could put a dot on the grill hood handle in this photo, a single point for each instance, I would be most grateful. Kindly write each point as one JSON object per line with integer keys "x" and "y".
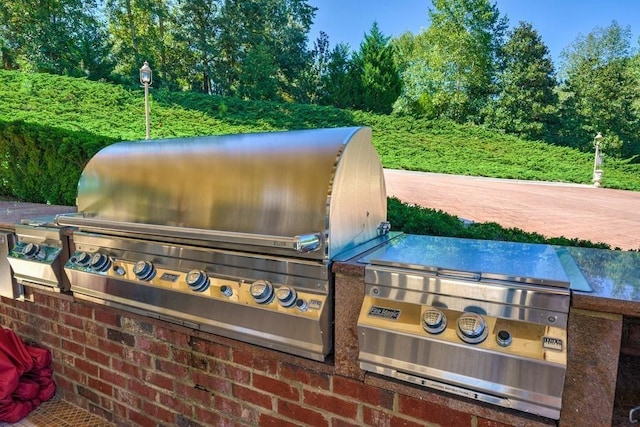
{"x": 303, "y": 243}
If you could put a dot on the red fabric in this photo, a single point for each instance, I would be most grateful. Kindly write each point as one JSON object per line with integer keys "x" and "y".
{"x": 16, "y": 351}
{"x": 26, "y": 377}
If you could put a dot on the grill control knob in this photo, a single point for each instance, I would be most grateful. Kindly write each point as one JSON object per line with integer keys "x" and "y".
{"x": 100, "y": 262}
{"x": 262, "y": 291}
{"x": 434, "y": 321}
{"x": 33, "y": 250}
{"x": 503, "y": 338}
{"x": 144, "y": 270}
{"x": 198, "y": 280}
{"x": 286, "y": 296}
{"x": 472, "y": 328}
{"x": 82, "y": 259}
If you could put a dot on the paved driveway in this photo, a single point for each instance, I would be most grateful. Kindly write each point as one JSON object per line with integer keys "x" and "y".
{"x": 551, "y": 209}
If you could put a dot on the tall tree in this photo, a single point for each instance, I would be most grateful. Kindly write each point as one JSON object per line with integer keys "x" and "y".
{"x": 600, "y": 90}
{"x": 310, "y": 82}
{"x": 280, "y": 26}
{"x": 463, "y": 41}
{"x": 380, "y": 81}
{"x": 527, "y": 103}
{"x": 196, "y": 32}
{"x": 419, "y": 89}
{"x": 340, "y": 83}
{"x": 139, "y": 32}
{"x": 55, "y": 36}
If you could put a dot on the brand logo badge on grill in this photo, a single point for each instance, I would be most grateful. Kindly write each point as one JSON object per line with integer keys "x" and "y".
{"x": 552, "y": 343}
{"x": 385, "y": 313}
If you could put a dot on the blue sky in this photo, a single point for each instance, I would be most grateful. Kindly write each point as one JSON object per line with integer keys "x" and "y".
{"x": 557, "y": 21}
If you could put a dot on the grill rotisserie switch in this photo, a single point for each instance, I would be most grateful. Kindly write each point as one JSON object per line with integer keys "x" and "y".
{"x": 262, "y": 291}
{"x": 503, "y": 338}
{"x": 434, "y": 321}
{"x": 198, "y": 281}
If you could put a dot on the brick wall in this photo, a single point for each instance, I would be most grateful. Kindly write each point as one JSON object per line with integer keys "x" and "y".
{"x": 137, "y": 371}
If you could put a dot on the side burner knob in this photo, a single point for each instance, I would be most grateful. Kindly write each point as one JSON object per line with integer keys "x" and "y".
{"x": 144, "y": 270}
{"x": 472, "y": 328}
{"x": 32, "y": 250}
{"x": 100, "y": 262}
{"x": 262, "y": 291}
{"x": 434, "y": 321}
{"x": 82, "y": 259}
{"x": 198, "y": 280}
{"x": 286, "y": 296}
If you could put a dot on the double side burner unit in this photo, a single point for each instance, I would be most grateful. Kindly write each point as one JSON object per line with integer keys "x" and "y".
{"x": 485, "y": 320}
{"x": 233, "y": 234}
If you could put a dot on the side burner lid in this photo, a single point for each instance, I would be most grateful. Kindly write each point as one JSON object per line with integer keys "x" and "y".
{"x": 472, "y": 259}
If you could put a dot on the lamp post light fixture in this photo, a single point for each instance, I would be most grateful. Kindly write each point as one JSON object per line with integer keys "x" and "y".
{"x": 597, "y": 161}
{"x": 146, "y": 78}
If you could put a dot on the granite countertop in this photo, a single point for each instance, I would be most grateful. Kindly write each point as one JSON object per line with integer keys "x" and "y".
{"x": 612, "y": 276}
{"x": 600, "y": 279}
{"x": 614, "y": 279}
{"x": 12, "y": 213}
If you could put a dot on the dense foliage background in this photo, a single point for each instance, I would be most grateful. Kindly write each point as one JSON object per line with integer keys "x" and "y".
{"x": 466, "y": 65}
{"x": 464, "y": 96}
{"x": 51, "y": 125}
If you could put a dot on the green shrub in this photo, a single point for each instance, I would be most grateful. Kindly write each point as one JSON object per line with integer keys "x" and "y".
{"x": 42, "y": 164}
{"x": 413, "y": 219}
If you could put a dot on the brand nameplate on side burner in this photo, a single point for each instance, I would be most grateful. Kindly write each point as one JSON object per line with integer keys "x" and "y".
{"x": 385, "y": 313}
{"x": 552, "y": 343}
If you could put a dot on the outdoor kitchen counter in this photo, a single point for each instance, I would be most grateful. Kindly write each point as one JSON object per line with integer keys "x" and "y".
{"x": 11, "y": 212}
{"x": 596, "y": 338}
{"x": 614, "y": 278}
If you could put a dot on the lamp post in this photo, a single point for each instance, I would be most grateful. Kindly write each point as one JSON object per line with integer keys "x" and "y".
{"x": 597, "y": 161}
{"x": 146, "y": 78}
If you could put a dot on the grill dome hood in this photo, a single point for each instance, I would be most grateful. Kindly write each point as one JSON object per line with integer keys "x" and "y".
{"x": 276, "y": 190}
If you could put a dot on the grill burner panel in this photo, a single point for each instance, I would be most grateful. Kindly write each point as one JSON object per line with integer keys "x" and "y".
{"x": 498, "y": 335}
{"x": 218, "y": 287}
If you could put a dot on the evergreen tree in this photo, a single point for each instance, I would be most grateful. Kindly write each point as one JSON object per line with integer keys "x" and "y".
{"x": 527, "y": 103}
{"x": 380, "y": 81}
{"x": 339, "y": 84}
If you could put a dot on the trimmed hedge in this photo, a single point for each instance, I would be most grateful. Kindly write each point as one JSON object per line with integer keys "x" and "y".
{"x": 418, "y": 220}
{"x": 42, "y": 164}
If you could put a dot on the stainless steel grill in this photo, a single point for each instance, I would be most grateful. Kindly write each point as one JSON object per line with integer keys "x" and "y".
{"x": 481, "y": 319}
{"x": 231, "y": 234}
